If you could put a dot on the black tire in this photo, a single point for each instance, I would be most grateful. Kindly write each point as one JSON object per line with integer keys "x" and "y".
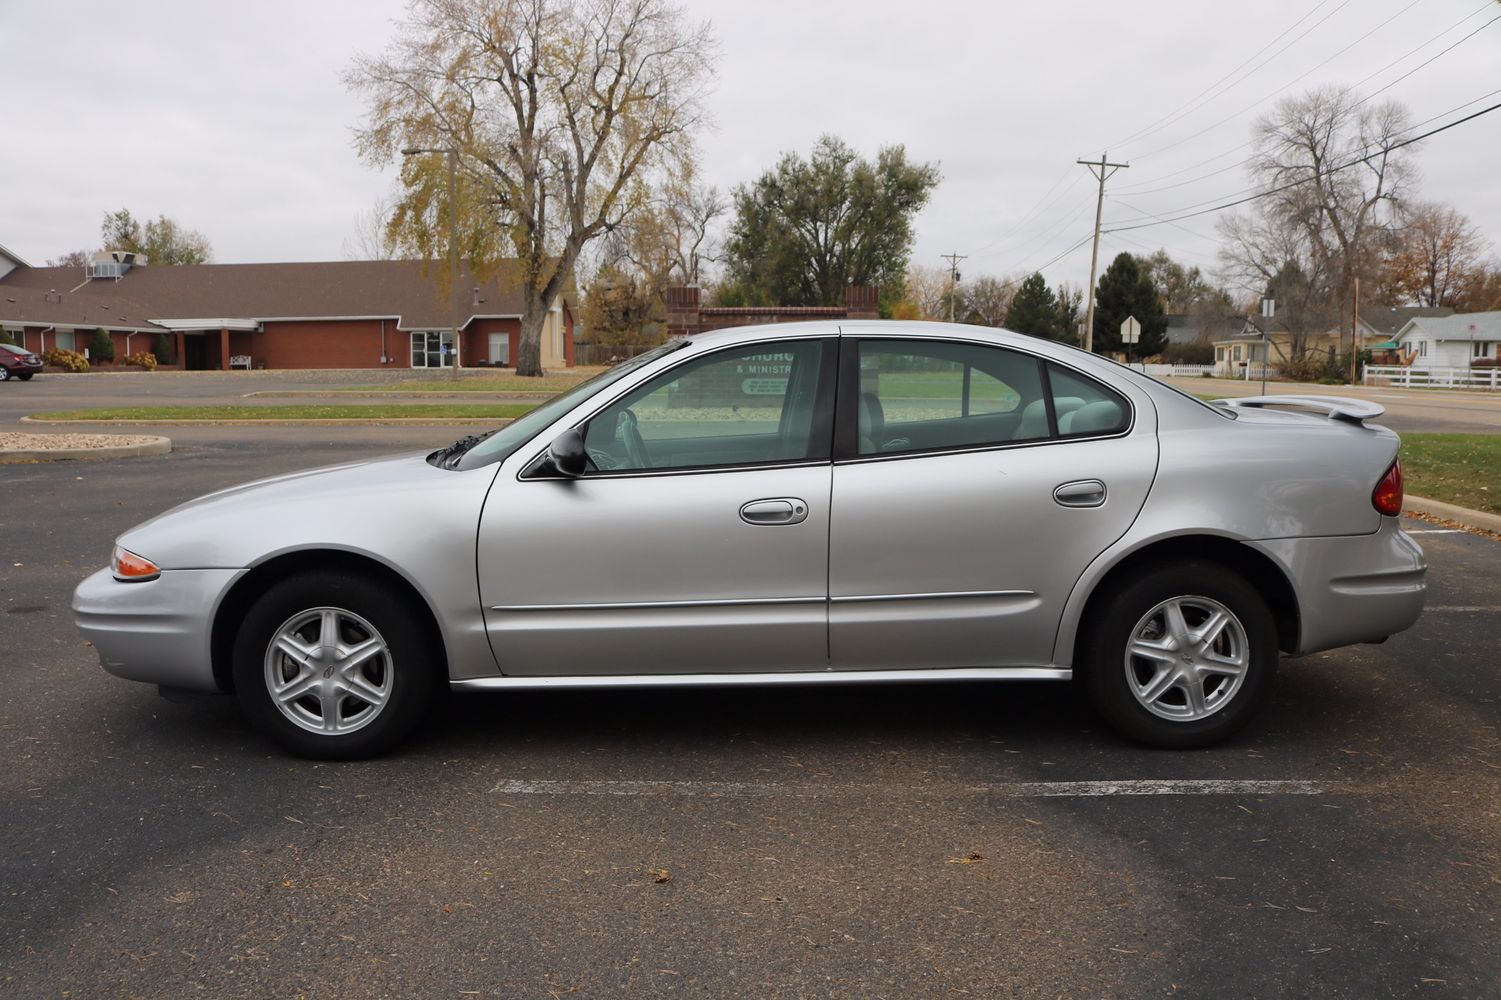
{"x": 26, "y": 377}
{"x": 1224, "y": 705}
{"x": 410, "y": 669}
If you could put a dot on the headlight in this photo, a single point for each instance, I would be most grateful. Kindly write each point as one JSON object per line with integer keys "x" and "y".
{"x": 131, "y": 568}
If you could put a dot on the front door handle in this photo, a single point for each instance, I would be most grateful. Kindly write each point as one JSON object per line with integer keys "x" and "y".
{"x": 783, "y": 510}
{"x": 1081, "y": 493}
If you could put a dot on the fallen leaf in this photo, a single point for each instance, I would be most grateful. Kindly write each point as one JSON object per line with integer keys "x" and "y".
{"x": 661, "y": 876}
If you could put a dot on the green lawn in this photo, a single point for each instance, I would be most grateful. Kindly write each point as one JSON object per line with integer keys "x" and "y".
{"x": 1463, "y": 469}
{"x": 499, "y": 381}
{"x": 499, "y": 411}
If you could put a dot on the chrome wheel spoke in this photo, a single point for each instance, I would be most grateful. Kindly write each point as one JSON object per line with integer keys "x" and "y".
{"x": 365, "y": 691}
{"x": 328, "y": 701}
{"x": 1177, "y": 625}
{"x": 293, "y": 646}
{"x": 1212, "y": 627}
{"x": 360, "y": 653}
{"x": 1165, "y": 680}
{"x": 1151, "y": 649}
{"x": 297, "y": 688}
{"x": 328, "y": 629}
{"x": 1211, "y": 663}
{"x": 1197, "y": 704}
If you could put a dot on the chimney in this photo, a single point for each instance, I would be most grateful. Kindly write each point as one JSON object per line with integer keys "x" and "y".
{"x": 862, "y": 302}
{"x": 683, "y": 311}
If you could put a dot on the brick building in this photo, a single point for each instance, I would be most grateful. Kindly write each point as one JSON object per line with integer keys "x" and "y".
{"x": 331, "y": 314}
{"x": 686, "y": 315}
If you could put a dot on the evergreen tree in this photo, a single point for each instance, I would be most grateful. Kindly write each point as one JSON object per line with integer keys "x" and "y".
{"x": 101, "y": 348}
{"x": 1034, "y": 310}
{"x": 1125, "y": 290}
{"x": 162, "y": 348}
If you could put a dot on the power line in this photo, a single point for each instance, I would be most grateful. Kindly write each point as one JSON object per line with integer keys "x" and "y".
{"x": 953, "y": 259}
{"x": 1297, "y": 183}
{"x": 1291, "y": 83}
{"x": 1166, "y": 119}
{"x": 1425, "y": 62}
{"x": 1246, "y": 145}
{"x": 1106, "y": 170}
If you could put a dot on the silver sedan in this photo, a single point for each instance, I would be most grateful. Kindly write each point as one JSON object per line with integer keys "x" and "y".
{"x": 817, "y": 503}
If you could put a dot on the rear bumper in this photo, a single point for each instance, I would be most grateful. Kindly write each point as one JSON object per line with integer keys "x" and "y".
{"x": 157, "y": 631}
{"x": 1353, "y": 588}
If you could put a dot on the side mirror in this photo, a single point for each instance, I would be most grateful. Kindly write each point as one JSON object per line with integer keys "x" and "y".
{"x": 568, "y": 454}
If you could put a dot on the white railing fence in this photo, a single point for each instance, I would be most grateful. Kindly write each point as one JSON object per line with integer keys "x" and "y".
{"x": 1400, "y": 375}
{"x": 1175, "y": 371}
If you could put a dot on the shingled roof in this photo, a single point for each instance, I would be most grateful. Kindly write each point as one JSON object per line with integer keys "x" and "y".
{"x": 406, "y": 290}
{"x": 22, "y": 306}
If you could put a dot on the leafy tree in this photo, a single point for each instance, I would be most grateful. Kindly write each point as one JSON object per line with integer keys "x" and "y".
{"x": 102, "y": 347}
{"x": 1124, "y": 290}
{"x": 1034, "y": 310}
{"x": 1070, "y": 312}
{"x": 6, "y": 338}
{"x": 1433, "y": 256}
{"x": 162, "y": 240}
{"x": 1482, "y": 291}
{"x": 806, "y": 230}
{"x": 558, "y": 114}
{"x": 620, "y": 308}
{"x": 162, "y": 348}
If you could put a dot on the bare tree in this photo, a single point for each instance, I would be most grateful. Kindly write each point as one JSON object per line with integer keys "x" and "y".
{"x": 985, "y": 300}
{"x": 372, "y": 238}
{"x": 1308, "y": 148}
{"x": 928, "y": 290}
{"x": 558, "y": 112}
{"x": 1268, "y": 253}
{"x": 73, "y": 258}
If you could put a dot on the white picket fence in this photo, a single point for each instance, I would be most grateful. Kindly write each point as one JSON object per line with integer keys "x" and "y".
{"x": 1454, "y": 378}
{"x": 1174, "y": 371}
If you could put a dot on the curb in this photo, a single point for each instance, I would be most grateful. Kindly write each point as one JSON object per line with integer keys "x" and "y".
{"x": 153, "y": 446}
{"x": 1459, "y": 515}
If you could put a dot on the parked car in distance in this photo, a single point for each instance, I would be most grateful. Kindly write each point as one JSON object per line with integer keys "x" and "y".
{"x": 815, "y": 503}
{"x": 18, "y": 362}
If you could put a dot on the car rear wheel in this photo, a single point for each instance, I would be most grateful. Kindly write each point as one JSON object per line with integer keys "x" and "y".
{"x": 334, "y": 666}
{"x": 26, "y": 377}
{"x": 4, "y": 374}
{"x": 1180, "y": 657}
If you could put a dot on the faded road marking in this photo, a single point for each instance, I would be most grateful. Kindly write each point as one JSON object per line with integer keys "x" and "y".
{"x": 1435, "y": 531}
{"x": 1005, "y": 790}
{"x": 1487, "y": 608}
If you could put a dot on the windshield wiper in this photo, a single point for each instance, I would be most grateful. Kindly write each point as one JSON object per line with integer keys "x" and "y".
{"x": 447, "y": 458}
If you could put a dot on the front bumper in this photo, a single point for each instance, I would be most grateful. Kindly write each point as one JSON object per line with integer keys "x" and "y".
{"x": 157, "y": 631}
{"x": 1353, "y": 588}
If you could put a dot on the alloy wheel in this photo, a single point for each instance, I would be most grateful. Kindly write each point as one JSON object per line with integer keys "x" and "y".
{"x": 1187, "y": 658}
{"x": 329, "y": 671}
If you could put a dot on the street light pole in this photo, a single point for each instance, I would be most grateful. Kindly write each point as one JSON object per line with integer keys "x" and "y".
{"x": 453, "y": 242}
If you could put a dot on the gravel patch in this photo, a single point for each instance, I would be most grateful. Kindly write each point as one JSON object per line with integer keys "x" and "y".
{"x": 13, "y": 441}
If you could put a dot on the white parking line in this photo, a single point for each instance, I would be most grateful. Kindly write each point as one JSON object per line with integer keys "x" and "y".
{"x": 1435, "y": 531}
{"x": 1488, "y": 608}
{"x": 1005, "y": 790}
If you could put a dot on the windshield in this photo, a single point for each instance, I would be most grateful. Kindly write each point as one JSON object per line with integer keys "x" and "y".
{"x": 503, "y": 443}
{"x": 14, "y": 349}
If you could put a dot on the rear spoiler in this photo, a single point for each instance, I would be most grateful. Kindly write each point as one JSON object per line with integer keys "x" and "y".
{"x": 1355, "y": 411}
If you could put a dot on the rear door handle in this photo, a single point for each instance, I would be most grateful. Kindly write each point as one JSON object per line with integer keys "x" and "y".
{"x": 1081, "y": 493}
{"x": 782, "y": 510}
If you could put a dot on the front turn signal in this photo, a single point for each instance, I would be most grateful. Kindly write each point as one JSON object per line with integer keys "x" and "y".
{"x": 131, "y": 568}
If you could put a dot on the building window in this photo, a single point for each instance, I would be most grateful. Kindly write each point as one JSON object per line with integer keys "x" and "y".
{"x": 1238, "y": 355}
{"x": 64, "y": 340}
{"x": 1422, "y": 348}
{"x": 1482, "y": 350}
{"x": 430, "y": 348}
{"x": 1219, "y": 354}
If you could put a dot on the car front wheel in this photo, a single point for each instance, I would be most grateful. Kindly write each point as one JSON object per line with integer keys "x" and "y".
{"x": 334, "y": 666}
{"x": 1180, "y": 657}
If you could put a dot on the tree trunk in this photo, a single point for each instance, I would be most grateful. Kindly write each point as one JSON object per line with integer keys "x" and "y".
{"x": 529, "y": 352}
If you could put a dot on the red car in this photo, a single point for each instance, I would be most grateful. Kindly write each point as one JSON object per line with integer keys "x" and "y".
{"x": 18, "y": 362}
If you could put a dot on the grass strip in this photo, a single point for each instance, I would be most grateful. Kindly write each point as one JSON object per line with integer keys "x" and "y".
{"x": 1463, "y": 469}
{"x": 506, "y": 382}
{"x": 311, "y": 412}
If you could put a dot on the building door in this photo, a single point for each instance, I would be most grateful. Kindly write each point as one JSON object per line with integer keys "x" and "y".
{"x": 500, "y": 349}
{"x": 194, "y": 353}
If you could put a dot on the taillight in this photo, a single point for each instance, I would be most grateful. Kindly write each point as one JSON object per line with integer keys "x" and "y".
{"x": 1387, "y": 496}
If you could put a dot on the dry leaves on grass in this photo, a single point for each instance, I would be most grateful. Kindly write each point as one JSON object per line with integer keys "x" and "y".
{"x": 661, "y": 876}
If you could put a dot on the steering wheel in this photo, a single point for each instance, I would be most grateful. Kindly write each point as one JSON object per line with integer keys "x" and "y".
{"x": 603, "y": 460}
{"x": 635, "y": 446}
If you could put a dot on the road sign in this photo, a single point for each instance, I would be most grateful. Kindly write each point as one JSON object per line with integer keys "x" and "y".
{"x": 1131, "y": 331}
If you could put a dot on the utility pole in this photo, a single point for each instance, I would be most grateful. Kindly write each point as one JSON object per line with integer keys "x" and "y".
{"x": 1354, "y": 326}
{"x": 1101, "y": 171}
{"x": 953, "y": 259}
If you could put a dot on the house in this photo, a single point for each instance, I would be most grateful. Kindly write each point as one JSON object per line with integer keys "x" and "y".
{"x": 1376, "y": 327}
{"x": 1459, "y": 340}
{"x": 9, "y": 262}
{"x": 326, "y": 314}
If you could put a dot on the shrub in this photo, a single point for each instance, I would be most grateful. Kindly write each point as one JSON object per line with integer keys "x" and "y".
{"x": 142, "y": 359}
{"x": 102, "y": 348}
{"x": 6, "y": 338}
{"x": 162, "y": 349}
{"x": 1198, "y": 352}
{"x": 68, "y": 361}
{"x": 1311, "y": 367}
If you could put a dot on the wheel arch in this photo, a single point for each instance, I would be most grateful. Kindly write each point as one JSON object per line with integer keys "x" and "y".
{"x": 237, "y": 601}
{"x": 1257, "y": 568}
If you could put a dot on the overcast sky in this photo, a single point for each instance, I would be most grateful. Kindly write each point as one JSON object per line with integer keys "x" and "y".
{"x": 231, "y": 118}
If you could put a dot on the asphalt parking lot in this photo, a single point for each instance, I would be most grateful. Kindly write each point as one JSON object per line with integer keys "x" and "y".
{"x": 914, "y": 842}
